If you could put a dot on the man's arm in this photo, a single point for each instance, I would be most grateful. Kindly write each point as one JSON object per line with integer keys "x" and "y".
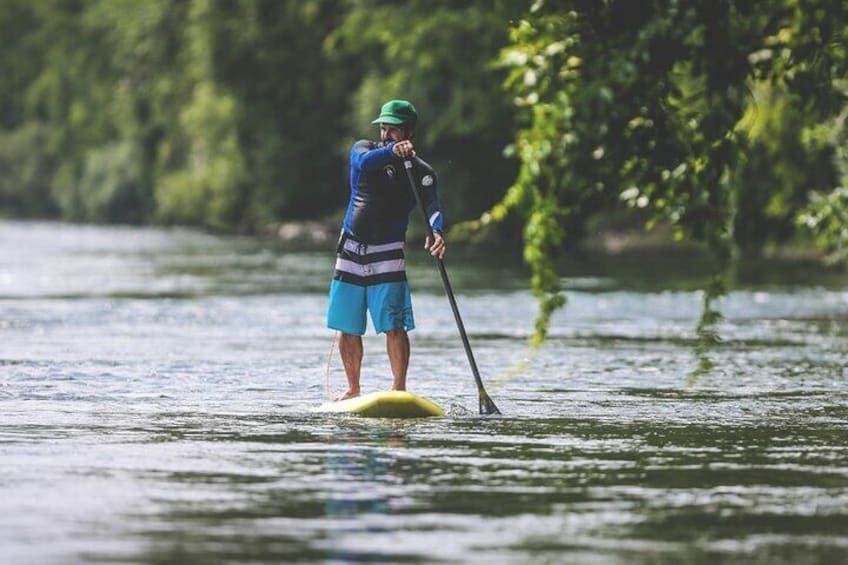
{"x": 430, "y": 199}
{"x": 365, "y": 157}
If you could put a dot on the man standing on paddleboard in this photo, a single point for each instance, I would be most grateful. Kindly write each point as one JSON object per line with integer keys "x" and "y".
{"x": 370, "y": 273}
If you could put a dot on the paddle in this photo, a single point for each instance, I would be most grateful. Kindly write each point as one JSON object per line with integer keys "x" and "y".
{"x": 487, "y": 406}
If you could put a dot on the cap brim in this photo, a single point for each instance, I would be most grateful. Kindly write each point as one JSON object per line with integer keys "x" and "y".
{"x": 388, "y": 120}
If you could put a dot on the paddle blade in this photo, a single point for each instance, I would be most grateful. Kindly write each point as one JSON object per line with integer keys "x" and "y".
{"x": 487, "y": 405}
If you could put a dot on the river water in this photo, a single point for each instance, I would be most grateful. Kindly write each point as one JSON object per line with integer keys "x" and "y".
{"x": 156, "y": 386}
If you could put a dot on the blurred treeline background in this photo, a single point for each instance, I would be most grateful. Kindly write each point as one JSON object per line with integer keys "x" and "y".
{"x": 231, "y": 114}
{"x": 721, "y": 119}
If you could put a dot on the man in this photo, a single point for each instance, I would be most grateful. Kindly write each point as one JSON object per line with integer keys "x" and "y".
{"x": 370, "y": 270}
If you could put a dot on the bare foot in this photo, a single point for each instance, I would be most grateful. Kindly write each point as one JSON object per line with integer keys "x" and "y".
{"x": 348, "y": 394}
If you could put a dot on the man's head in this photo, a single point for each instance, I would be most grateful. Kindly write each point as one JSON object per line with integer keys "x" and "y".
{"x": 397, "y": 120}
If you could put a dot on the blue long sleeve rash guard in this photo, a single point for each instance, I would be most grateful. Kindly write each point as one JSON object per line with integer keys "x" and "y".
{"x": 380, "y": 196}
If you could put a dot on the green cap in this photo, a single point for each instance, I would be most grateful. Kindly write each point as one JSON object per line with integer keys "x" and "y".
{"x": 397, "y": 112}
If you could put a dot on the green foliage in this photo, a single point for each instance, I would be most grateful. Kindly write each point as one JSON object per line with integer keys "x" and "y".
{"x": 203, "y": 167}
{"x": 109, "y": 185}
{"x": 89, "y": 65}
{"x": 617, "y": 112}
{"x": 827, "y": 215}
{"x": 206, "y": 190}
{"x": 20, "y": 59}
{"x": 785, "y": 162}
{"x": 216, "y": 101}
{"x": 293, "y": 96}
{"x": 26, "y": 171}
{"x": 643, "y": 104}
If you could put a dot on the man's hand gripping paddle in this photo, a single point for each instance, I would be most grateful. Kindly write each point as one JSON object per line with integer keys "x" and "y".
{"x": 487, "y": 406}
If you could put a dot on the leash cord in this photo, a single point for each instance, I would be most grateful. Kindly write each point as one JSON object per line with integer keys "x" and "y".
{"x": 327, "y": 393}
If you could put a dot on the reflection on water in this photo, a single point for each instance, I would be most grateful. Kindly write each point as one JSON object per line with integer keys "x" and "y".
{"x": 155, "y": 388}
{"x": 362, "y": 480}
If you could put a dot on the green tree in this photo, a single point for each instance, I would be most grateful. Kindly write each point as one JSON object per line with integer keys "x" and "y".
{"x": 826, "y": 217}
{"x": 785, "y": 162}
{"x": 642, "y": 103}
{"x": 20, "y": 59}
{"x": 96, "y": 88}
{"x": 293, "y": 99}
{"x": 26, "y": 172}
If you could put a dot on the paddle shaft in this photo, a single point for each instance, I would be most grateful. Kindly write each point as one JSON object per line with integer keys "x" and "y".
{"x": 487, "y": 406}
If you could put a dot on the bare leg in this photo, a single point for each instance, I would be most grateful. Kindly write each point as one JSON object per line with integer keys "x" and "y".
{"x": 350, "y": 348}
{"x": 397, "y": 346}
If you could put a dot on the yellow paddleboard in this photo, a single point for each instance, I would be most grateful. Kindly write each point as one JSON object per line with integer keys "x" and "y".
{"x": 385, "y": 404}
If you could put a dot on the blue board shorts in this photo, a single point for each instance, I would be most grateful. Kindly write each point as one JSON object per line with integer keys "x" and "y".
{"x": 369, "y": 277}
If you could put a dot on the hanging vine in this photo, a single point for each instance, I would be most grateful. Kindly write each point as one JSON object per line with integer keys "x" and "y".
{"x": 643, "y": 104}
